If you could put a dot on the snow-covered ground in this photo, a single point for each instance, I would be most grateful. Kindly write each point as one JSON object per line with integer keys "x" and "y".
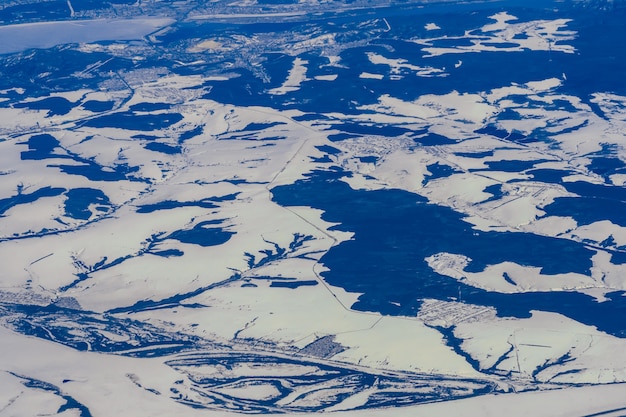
{"x": 141, "y": 235}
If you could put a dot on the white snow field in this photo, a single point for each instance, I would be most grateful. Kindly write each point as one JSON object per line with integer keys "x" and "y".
{"x": 159, "y": 255}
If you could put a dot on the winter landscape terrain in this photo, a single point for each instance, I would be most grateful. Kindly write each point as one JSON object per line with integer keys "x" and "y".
{"x": 411, "y": 208}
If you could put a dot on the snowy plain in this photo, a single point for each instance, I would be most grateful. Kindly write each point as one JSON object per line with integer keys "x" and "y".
{"x": 143, "y": 232}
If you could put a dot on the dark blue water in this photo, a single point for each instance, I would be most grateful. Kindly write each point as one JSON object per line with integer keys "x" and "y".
{"x": 500, "y": 133}
{"x": 40, "y": 147}
{"x": 95, "y": 172}
{"x": 596, "y": 30}
{"x": 70, "y": 402}
{"x": 324, "y": 159}
{"x": 40, "y": 11}
{"x": 438, "y": 170}
{"x": 169, "y": 205}
{"x": 393, "y": 230}
{"x": 43, "y": 146}
{"x": 261, "y": 126}
{"x": 370, "y": 159}
{"x": 307, "y": 117}
{"x": 163, "y": 148}
{"x": 26, "y": 198}
{"x": 587, "y": 210}
{"x": 512, "y": 166}
{"x": 24, "y": 70}
{"x": 98, "y": 106}
{"x": 253, "y": 137}
{"x": 552, "y": 176}
{"x": 581, "y": 188}
{"x": 479, "y": 72}
{"x": 293, "y": 284}
{"x": 337, "y": 137}
{"x": 607, "y": 166}
{"x": 148, "y": 107}
{"x": 433, "y": 139}
{"x": 331, "y": 150}
{"x": 396, "y": 230}
{"x": 207, "y": 203}
{"x": 591, "y": 190}
{"x": 508, "y": 279}
{"x": 596, "y": 202}
{"x": 79, "y": 200}
{"x": 618, "y": 258}
{"x": 475, "y": 155}
{"x": 55, "y": 105}
{"x": 328, "y": 150}
{"x": 202, "y": 234}
{"x": 132, "y": 121}
{"x": 496, "y": 192}
{"x": 168, "y": 253}
{"x": 190, "y": 134}
{"x": 509, "y": 114}
{"x": 598, "y": 64}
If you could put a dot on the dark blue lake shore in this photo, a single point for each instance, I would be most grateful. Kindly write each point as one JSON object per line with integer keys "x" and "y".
{"x": 395, "y": 230}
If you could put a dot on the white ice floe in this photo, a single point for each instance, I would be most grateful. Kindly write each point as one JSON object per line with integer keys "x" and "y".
{"x": 400, "y": 66}
{"x": 206, "y": 45}
{"x": 369, "y": 75}
{"x": 452, "y": 106}
{"x": 504, "y": 36}
{"x": 329, "y": 77}
{"x": 501, "y": 23}
{"x": 544, "y": 85}
{"x": 459, "y": 190}
{"x": 297, "y": 75}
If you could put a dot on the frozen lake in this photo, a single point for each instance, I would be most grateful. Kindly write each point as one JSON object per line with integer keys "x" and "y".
{"x": 17, "y": 38}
